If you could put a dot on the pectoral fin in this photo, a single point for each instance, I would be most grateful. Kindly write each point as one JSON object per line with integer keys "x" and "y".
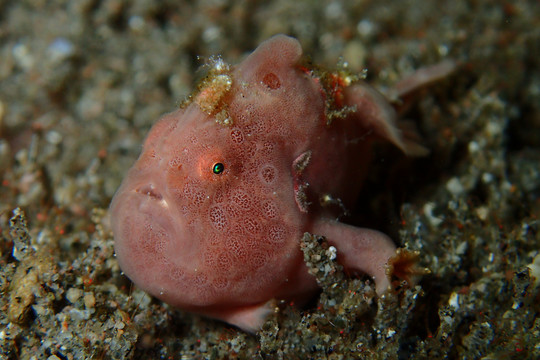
{"x": 359, "y": 249}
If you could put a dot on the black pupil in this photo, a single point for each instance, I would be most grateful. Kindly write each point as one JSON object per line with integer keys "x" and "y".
{"x": 218, "y": 168}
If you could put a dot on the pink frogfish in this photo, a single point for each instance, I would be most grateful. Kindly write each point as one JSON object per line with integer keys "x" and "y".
{"x": 210, "y": 217}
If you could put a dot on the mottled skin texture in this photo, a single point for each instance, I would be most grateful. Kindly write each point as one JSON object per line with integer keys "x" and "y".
{"x": 225, "y": 244}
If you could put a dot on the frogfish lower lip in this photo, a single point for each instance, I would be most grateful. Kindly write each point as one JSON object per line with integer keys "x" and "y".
{"x": 149, "y": 190}
{"x": 152, "y": 194}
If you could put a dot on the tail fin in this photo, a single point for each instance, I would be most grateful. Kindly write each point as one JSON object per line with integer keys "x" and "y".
{"x": 377, "y": 114}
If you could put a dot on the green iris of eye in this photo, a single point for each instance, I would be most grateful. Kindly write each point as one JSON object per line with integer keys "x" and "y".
{"x": 218, "y": 168}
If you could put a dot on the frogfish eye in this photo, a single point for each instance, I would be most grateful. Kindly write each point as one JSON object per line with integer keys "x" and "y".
{"x": 218, "y": 168}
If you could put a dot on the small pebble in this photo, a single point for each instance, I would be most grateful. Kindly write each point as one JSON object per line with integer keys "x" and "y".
{"x": 89, "y": 300}
{"x": 73, "y": 294}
